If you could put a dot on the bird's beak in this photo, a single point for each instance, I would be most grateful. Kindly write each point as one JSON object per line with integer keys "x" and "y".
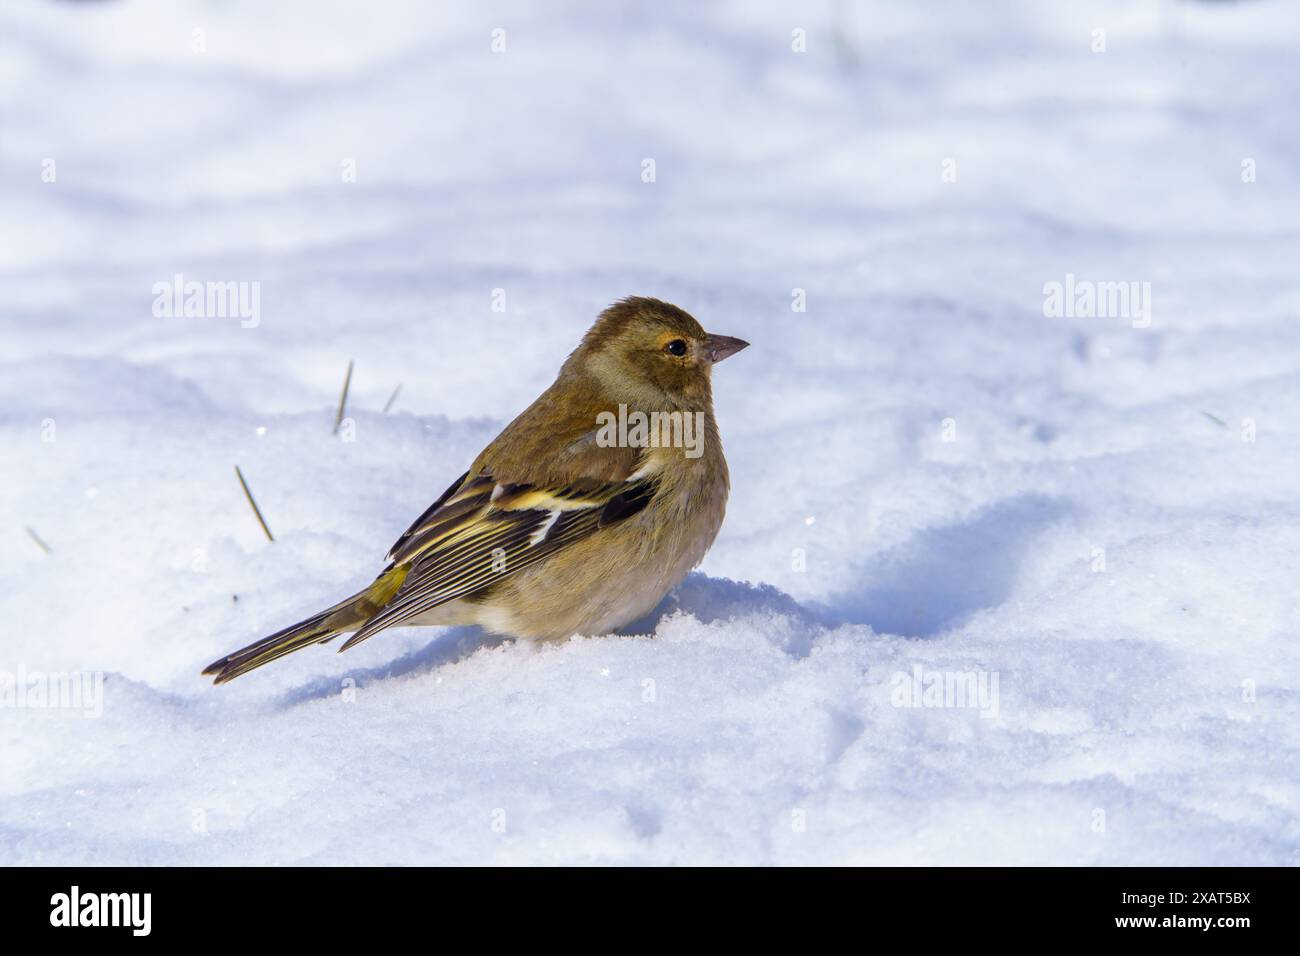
{"x": 720, "y": 346}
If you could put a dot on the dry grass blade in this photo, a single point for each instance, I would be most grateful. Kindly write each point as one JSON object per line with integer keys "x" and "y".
{"x": 37, "y": 538}
{"x": 392, "y": 398}
{"x": 343, "y": 398}
{"x": 253, "y": 504}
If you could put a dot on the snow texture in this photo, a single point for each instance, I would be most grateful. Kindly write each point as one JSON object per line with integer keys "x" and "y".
{"x": 1095, "y": 517}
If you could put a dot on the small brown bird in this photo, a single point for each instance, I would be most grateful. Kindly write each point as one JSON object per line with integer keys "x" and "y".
{"x": 578, "y": 518}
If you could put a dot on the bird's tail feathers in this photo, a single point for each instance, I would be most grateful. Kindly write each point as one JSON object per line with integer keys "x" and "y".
{"x": 342, "y": 618}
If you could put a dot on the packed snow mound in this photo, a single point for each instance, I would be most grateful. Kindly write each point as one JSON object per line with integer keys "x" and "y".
{"x": 1008, "y": 573}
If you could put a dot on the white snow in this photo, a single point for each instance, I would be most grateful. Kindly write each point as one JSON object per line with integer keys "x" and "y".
{"x": 1110, "y": 539}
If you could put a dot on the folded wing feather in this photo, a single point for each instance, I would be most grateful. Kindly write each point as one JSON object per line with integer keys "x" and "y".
{"x": 481, "y": 531}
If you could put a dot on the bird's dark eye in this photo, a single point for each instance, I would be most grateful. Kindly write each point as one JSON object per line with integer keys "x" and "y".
{"x": 675, "y": 347}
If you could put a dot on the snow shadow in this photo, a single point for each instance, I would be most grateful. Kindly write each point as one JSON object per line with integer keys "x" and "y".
{"x": 719, "y": 599}
{"x": 939, "y": 578}
{"x": 448, "y": 645}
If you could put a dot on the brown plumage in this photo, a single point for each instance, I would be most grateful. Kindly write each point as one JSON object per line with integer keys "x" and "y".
{"x": 555, "y": 529}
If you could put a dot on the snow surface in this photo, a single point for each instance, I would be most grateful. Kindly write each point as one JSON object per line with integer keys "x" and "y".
{"x": 1102, "y": 536}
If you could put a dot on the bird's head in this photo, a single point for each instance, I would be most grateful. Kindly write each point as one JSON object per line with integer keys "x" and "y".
{"x": 653, "y": 353}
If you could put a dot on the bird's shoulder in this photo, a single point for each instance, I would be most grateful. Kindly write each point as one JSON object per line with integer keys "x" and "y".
{"x": 557, "y": 440}
{"x": 550, "y": 456}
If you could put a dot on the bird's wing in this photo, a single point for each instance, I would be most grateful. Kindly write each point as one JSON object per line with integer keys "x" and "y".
{"x": 398, "y": 552}
{"x": 483, "y": 530}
